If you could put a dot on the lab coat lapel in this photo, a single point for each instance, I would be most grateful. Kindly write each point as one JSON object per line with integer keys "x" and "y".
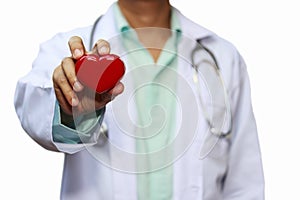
{"x": 190, "y": 162}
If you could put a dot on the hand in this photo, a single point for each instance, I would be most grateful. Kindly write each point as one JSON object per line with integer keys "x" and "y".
{"x": 73, "y": 97}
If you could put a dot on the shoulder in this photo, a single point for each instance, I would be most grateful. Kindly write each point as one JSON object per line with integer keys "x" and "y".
{"x": 228, "y": 57}
{"x": 195, "y": 31}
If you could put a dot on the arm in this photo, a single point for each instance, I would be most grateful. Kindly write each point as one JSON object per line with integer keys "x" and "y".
{"x": 244, "y": 179}
{"x": 36, "y": 97}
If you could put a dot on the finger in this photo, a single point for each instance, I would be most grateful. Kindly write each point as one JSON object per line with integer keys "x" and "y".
{"x": 61, "y": 82}
{"x": 118, "y": 89}
{"x": 101, "y": 47}
{"x": 58, "y": 93}
{"x": 64, "y": 105}
{"x": 76, "y": 47}
{"x": 68, "y": 67}
{"x": 108, "y": 96}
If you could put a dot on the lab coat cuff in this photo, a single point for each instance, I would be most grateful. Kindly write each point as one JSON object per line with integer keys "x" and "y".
{"x": 81, "y": 131}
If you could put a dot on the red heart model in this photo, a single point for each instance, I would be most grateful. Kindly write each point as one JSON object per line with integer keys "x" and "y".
{"x": 99, "y": 73}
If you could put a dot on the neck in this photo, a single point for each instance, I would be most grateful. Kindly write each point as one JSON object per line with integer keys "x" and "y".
{"x": 146, "y": 13}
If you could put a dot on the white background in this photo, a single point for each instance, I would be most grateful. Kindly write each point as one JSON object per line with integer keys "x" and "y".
{"x": 265, "y": 32}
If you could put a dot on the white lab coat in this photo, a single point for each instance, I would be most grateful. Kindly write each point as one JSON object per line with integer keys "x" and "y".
{"x": 233, "y": 170}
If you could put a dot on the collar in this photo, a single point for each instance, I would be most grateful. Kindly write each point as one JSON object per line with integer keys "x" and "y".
{"x": 190, "y": 28}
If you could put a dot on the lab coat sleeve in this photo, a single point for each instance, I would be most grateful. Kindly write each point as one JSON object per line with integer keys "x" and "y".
{"x": 35, "y": 98}
{"x": 81, "y": 130}
{"x": 244, "y": 178}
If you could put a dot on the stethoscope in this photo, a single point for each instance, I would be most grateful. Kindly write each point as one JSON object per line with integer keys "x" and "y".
{"x": 219, "y": 130}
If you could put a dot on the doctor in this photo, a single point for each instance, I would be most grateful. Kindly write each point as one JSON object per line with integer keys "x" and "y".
{"x": 142, "y": 139}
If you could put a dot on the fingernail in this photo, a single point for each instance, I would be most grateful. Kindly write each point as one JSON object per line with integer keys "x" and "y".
{"x": 77, "y": 53}
{"x": 74, "y": 101}
{"x": 103, "y": 50}
{"x": 77, "y": 86}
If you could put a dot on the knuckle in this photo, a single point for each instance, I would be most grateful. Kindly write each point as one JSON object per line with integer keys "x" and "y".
{"x": 71, "y": 94}
{"x": 56, "y": 73}
{"x": 62, "y": 80}
{"x": 65, "y": 61}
